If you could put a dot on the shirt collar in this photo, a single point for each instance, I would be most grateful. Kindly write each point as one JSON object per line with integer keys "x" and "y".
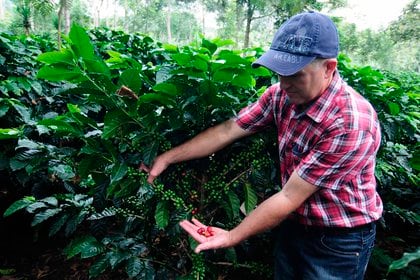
{"x": 318, "y": 109}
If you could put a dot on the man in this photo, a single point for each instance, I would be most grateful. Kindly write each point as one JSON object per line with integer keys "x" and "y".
{"x": 328, "y": 137}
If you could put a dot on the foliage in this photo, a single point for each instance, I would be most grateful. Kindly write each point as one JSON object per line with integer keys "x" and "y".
{"x": 75, "y": 134}
{"x": 404, "y": 261}
{"x": 393, "y": 48}
{"x": 247, "y": 23}
{"x": 104, "y": 133}
{"x": 396, "y": 99}
{"x": 407, "y": 27}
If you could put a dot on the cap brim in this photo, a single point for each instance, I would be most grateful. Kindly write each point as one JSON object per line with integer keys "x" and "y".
{"x": 283, "y": 63}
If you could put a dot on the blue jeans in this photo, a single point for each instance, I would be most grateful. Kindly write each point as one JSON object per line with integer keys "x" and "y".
{"x": 314, "y": 254}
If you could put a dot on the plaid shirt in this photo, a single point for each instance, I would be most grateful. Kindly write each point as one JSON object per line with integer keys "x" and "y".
{"x": 332, "y": 145}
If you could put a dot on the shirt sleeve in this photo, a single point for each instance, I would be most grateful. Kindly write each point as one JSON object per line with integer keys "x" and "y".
{"x": 258, "y": 115}
{"x": 337, "y": 159}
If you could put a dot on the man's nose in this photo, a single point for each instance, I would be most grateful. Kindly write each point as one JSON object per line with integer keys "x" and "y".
{"x": 284, "y": 82}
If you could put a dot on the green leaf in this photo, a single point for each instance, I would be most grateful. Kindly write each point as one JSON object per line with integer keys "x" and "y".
{"x": 118, "y": 172}
{"x": 98, "y": 267}
{"x": 107, "y": 212}
{"x": 232, "y": 60}
{"x": 150, "y": 152}
{"x": 415, "y": 162}
{"x": 3, "y": 109}
{"x": 76, "y": 115}
{"x": 116, "y": 257}
{"x": 36, "y": 86}
{"x": 74, "y": 221}
{"x": 134, "y": 266}
{"x": 404, "y": 261}
{"x": 114, "y": 120}
{"x": 200, "y": 64}
{"x": 168, "y": 88}
{"x": 61, "y": 126}
{"x": 158, "y": 98}
{"x": 18, "y": 205}
{"x": 63, "y": 56}
{"x": 182, "y": 59}
{"x": 36, "y": 206}
{"x": 261, "y": 72}
{"x": 92, "y": 249}
{"x": 244, "y": 80}
{"x": 394, "y": 108}
{"x": 58, "y": 73}
{"x": 230, "y": 255}
{"x": 148, "y": 272}
{"x": 77, "y": 245}
{"x": 234, "y": 203}
{"x": 81, "y": 44}
{"x": 28, "y": 158}
{"x": 50, "y": 200}
{"x": 29, "y": 144}
{"x": 10, "y": 133}
{"x": 96, "y": 66}
{"x": 163, "y": 74}
{"x": 170, "y": 47}
{"x": 162, "y": 214}
{"x": 131, "y": 79}
{"x": 223, "y": 75}
{"x": 63, "y": 171}
{"x": 23, "y": 111}
{"x": 58, "y": 224}
{"x": 251, "y": 198}
{"x": 44, "y": 215}
{"x": 209, "y": 45}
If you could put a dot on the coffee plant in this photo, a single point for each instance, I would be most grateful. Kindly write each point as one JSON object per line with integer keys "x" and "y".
{"x": 77, "y": 124}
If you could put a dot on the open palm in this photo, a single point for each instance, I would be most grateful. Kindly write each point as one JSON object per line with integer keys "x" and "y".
{"x": 208, "y": 237}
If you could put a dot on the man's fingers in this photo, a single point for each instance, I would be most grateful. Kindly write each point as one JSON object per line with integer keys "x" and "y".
{"x": 202, "y": 247}
{"x": 143, "y": 167}
{"x": 150, "y": 179}
{"x": 211, "y": 243}
{"x": 198, "y": 223}
{"x": 191, "y": 229}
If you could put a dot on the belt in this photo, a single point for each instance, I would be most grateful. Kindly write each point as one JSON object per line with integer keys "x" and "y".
{"x": 334, "y": 230}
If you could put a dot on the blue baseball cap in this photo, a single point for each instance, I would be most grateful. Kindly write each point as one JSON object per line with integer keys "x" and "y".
{"x": 300, "y": 40}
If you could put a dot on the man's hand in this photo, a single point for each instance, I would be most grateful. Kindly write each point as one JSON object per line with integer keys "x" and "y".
{"x": 206, "y": 143}
{"x": 208, "y": 237}
{"x": 158, "y": 166}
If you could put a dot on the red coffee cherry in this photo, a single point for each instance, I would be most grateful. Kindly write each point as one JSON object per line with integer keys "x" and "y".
{"x": 207, "y": 232}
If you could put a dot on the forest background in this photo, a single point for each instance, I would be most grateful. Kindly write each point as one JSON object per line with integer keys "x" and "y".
{"x": 90, "y": 89}
{"x": 249, "y": 23}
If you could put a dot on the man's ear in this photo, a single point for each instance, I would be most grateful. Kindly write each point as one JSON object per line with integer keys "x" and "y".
{"x": 330, "y": 66}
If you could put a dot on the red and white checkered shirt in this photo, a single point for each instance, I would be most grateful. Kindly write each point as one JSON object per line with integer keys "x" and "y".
{"x": 332, "y": 145}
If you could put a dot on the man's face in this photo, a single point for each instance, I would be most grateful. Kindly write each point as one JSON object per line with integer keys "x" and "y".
{"x": 307, "y": 84}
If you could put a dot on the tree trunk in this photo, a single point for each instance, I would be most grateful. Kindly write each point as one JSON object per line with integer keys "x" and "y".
{"x": 238, "y": 22}
{"x": 60, "y": 16}
{"x": 97, "y": 14}
{"x": 249, "y": 14}
{"x": 67, "y": 20}
{"x": 168, "y": 24}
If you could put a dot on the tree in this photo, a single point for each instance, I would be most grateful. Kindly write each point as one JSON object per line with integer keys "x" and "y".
{"x": 26, "y": 9}
{"x": 348, "y": 35}
{"x": 248, "y": 11}
{"x": 63, "y": 13}
{"x": 165, "y": 20}
{"x": 79, "y": 13}
{"x": 407, "y": 27}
